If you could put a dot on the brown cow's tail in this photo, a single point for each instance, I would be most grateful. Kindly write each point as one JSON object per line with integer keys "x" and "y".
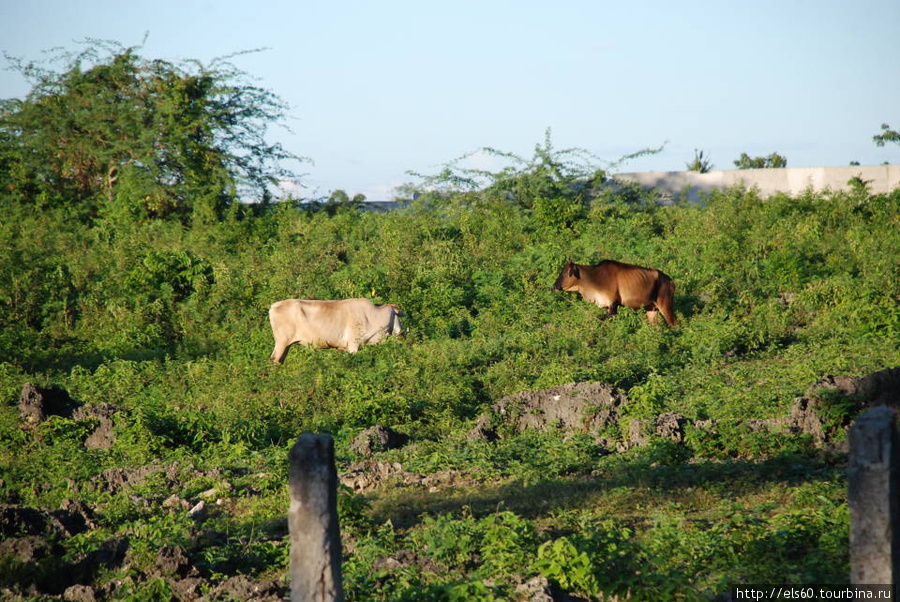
{"x": 664, "y": 297}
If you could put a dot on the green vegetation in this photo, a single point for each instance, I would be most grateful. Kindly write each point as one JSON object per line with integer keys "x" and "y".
{"x": 163, "y": 317}
{"x": 121, "y": 136}
{"x": 700, "y": 164}
{"x": 745, "y": 161}
{"x": 886, "y": 135}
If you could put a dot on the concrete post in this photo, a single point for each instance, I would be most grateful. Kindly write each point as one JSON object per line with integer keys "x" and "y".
{"x": 872, "y": 478}
{"x": 313, "y": 521}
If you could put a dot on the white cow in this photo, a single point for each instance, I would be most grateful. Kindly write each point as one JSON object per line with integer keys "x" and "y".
{"x": 345, "y": 324}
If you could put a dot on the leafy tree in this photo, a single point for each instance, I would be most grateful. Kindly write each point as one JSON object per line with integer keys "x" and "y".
{"x": 773, "y": 160}
{"x": 340, "y": 197}
{"x": 572, "y": 173}
{"x": 700, "y": 163}
{"x": 341, "y": 201}
{"x": 886, "y": 135}
{"x": 150, "y": 136}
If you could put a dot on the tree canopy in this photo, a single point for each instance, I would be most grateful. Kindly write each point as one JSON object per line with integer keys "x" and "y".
{"x": 774, "y": 160}
{"x": 113, "y": 130}
{"x": 886, "y": 135}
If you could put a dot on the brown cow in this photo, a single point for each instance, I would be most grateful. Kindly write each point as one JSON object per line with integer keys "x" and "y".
{"x": 612, "y": 283}
{"x": 345, "y": 324}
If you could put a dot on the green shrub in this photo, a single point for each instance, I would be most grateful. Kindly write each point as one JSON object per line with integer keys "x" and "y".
{"x": 169, "y": 275}
{"x": 597, "y": 562}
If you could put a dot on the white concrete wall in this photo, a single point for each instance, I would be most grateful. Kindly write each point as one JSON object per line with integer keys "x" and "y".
{"x": 792, "y": 180}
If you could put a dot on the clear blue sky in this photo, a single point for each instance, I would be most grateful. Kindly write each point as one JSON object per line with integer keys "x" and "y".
{"x": 379, "y": 88}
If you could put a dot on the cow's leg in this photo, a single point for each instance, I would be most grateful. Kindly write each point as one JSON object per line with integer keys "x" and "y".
{"x": 653, "y": 315}
{"x": 613, "y": 307}
{"x": 668, "y": 316}
{"x": 665, "y": 307}
{"x": 279, "y": 353}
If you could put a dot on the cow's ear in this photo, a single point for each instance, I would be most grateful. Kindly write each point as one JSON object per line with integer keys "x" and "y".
{"x": 575, "y": 272}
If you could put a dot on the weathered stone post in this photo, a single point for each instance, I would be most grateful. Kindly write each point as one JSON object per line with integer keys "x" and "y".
{"x": 872, "y": 478}
{"x": 313, "y": 521}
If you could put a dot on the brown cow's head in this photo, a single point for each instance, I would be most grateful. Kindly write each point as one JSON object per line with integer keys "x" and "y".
{"x": 568, "y": 277}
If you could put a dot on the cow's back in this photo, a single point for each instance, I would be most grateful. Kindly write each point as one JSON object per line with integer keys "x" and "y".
{"x": 344, "y": 324}
{"x": 321, "y": 323}
{"x": 310, "y": 322}
{"x": 611, "y": 284}
{"x": 628, "y": 284}
{"x": 638, "y": 285}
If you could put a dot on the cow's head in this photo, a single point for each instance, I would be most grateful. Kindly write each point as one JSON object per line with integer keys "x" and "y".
{"x": 394, "y": 327}
{"x": 568, "y": 277}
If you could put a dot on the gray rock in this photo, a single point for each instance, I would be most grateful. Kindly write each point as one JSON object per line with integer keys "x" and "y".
{"x": 36, "y": 404}
{"x": 377, "y": 439}
{"x": 579, "y": 407}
